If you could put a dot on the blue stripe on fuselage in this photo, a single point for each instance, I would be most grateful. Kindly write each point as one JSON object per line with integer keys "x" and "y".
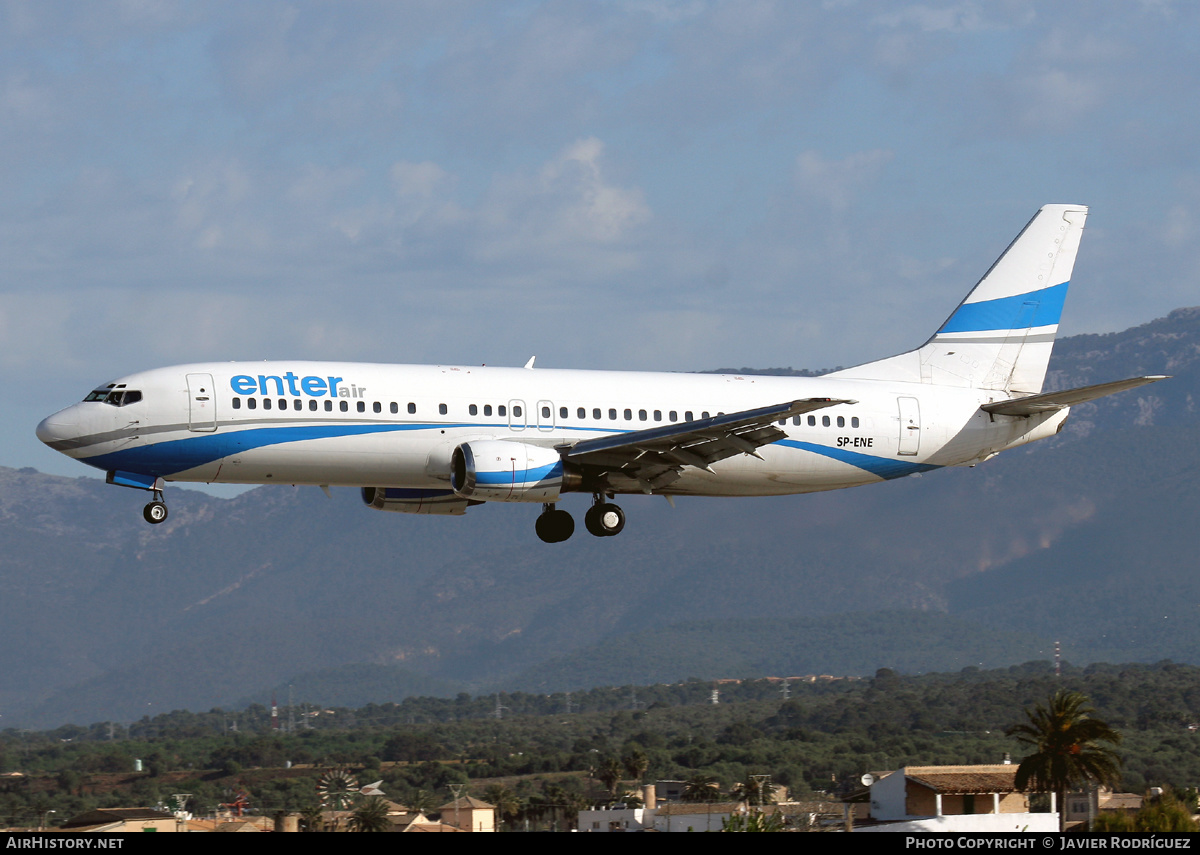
{"x": 167, "y": 458}
{"x": 179, "y": 455}
{"x": 884, "y": 467}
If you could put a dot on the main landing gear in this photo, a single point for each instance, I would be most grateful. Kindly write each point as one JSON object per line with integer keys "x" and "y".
{"x": 156, "y": 511}
{"x": 553, "y": 525}
{"x": 603, "y": 519}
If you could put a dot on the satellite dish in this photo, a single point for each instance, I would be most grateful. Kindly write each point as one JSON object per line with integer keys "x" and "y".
{"x": 867, "y": 779}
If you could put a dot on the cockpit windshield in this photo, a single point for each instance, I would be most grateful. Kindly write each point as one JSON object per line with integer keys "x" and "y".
{"x": 117, "y": 396}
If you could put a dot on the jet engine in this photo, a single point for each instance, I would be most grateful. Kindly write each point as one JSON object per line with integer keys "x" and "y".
{"x": 504, "y": 471}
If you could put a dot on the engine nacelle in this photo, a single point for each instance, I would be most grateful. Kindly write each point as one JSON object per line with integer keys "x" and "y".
{"x": 501, "y": 471}
{"x": 407, "y": 501}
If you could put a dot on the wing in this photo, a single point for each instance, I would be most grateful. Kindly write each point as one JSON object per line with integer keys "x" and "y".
{"x": 1050, "y": 402}
{"x": 649, "y": 460}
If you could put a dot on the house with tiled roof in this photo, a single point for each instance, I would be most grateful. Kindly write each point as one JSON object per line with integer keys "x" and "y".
{"x": 952, "y": 798}
{"x": 469, "y": 814}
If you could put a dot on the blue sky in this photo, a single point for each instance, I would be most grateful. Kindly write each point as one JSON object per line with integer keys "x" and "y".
{"x": 635, "y": 185}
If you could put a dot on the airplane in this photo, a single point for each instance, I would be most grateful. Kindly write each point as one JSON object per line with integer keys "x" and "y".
{"x": 440, "y": 439}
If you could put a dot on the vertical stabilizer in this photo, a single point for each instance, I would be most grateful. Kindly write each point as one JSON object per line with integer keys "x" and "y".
{"x": 1001, "y": 335}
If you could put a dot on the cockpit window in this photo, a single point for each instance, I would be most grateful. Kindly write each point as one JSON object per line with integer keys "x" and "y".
{"x": 115, "y": 397}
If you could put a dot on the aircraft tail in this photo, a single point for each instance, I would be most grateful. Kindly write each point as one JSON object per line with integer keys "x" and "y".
{"x": 1001, "y": 335}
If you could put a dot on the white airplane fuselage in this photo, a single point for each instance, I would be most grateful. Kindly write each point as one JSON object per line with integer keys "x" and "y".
{"x": 380, "y": 425}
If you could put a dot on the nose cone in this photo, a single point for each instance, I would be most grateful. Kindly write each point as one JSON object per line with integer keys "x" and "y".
{"x": 58, "y": 430}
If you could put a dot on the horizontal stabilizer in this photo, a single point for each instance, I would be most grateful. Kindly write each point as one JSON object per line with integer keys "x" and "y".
{"x": 1050, "y": 402}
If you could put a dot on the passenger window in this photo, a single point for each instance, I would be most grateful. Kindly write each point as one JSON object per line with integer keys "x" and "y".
{"x": 251, "y": 403}
{"x": 361, "y": 406}
{"x": 841, "y": 421}
{"x": 516, "y": 412}
{"x": 628, "y": 415}
{"x": 704, "y": 414}
{"x": 612, "y": 414}
{"x": 824, "y": 421}
{"x": 812, "y": 421}
{"x": 854, "y": 421}
{"x": 487, "y": 409}
{"x": 796, "y": 420}
{"x": 395, "y": 408}
{"x": 546, "y": 413}
{"x": 687, "y": 416}
{"x": 442, "y": 409}
{"x": 266, "y": 403}
{"x": 329, "y": 406}
{"x": 502, "y": 410}
{"x": 377, "y": 407}
{"x": 473, "y": 409}
{"x": 283, "y": 403}
{"x": 297, "y": 404}
{"x": 344, "y": 406}
{"x": 581, "y": 413}
{"x": 641, "y": 415}
{"x": 596, "y": 413}
{"x": 237, "y": 403}
{"x": 782, "y": 422}
{"x": 673, "y": 415}
{"x": 312, "y": 404}
{"x": 412, "y": 408}
{"x": 562, "y": 412}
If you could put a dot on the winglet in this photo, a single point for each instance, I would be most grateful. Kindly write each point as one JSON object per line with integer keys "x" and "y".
{"x": 529, "y": 364}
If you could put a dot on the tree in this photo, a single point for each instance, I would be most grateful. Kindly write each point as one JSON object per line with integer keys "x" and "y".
{"x": 609, "y": 774}
{"x": 757, "y": 791}
{"x": 370, "y": 815}
{"x": 508, "y": 804}
{"x": 1071, "y": 748}
{"x": 636, "y": 763}
{"x": 701, "y": 788}
{"x": 756, "y": 821}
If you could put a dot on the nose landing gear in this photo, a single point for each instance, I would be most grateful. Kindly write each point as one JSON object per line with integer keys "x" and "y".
{"x": 156, "y": 511}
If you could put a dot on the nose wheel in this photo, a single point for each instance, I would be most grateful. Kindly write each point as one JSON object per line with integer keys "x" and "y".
{"x": 604, "y": 519}
{"x": 553, "y": 525}
{"x": 156, "y": 511}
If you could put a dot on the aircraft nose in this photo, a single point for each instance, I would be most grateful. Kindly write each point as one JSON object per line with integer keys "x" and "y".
{"x": 57, "y": 429}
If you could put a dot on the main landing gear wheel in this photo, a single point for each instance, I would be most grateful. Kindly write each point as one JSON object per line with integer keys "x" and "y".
{"x": 554, "y": 526}
{"x": 155, "y": 512}
{"x": 604, "y": 519}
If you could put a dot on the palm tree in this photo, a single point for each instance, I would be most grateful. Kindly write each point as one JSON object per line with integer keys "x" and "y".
{"x": 1069, "y": 748}
{"x": 757, "y": 791}
{"x": 370, "y": 815}
{"x": 701, "y": 788}
{"x": 508, "y": 804}
{"x": 636, "y": 763}
{"x": 609, "y": 774}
